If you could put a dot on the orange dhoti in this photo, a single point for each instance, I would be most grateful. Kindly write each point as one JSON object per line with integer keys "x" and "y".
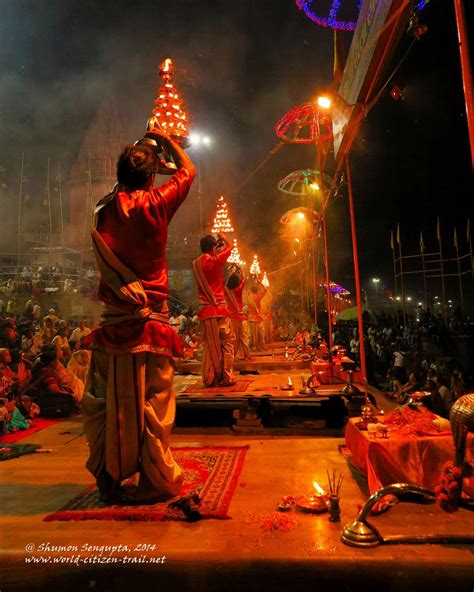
{"x": 218, "y": 354}
{"x": 268, "y": 329}
{"x": 256, "y": 331}
{"x": 129, "y": 410}
{"x": 241, "y": 344}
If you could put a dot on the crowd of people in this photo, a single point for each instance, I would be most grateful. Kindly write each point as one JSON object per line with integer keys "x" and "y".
{"x": 43, "y": 366}
{"x": 34, "y": 280}
{"x": 400, "y": 359}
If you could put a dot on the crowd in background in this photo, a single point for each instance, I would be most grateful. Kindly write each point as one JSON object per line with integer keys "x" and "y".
{"x": 43, "y": 365}
{"x": 34, "y": 280}
{"x": 400, "y": 359}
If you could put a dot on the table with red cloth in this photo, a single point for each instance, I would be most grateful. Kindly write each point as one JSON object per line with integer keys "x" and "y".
{"x": 403, "y": 459}
{"x": 323, "y": 370}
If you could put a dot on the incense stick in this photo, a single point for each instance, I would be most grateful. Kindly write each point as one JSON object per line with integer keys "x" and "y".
{"x": 334, "y": 481}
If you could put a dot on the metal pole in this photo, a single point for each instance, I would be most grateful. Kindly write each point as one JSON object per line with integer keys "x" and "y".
{"x": 200, "y": 196}
{"x": 328, "y": 283}
{"x": 48, "y": 195}
{"x": 394, "y": 263}
{"x": 312, "y": 225}
{"x": 325, "y": 239}
{"x": 60, "y": 204}
{"x": 19, "y": 206}
{"x": 355, "y": 253}
{"x": 424, "y": 280}
{"x": 466, "y": 71}
{"x": 404, "y": 308}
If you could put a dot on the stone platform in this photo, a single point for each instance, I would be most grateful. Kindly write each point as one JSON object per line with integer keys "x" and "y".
{"x": 214, "y": 555}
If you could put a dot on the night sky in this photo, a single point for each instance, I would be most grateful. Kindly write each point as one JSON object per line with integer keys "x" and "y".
{"x": 240, "y": 66}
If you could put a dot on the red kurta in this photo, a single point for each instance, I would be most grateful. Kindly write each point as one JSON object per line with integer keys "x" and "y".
{"x": 254, "y": 301}
{"x": 212, "y": 266}
{"x": 134, "y": 226}
{"x": 234, "y": 302}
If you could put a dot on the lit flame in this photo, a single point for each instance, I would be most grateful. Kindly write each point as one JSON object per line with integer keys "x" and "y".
{"x": 319, "y": 489}
{"x": 167, "y": 65}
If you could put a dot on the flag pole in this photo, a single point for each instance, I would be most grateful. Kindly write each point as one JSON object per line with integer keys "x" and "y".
{"x": 461, "y": 294}
{"x": 422, "y": 250}
{"x": 355, "y": 254}
{"x": 50, "y": 213}
{"x": 401, "y": 275}
{"x": 438, "y": 234}
{"x": 394, "y": 263}
{"x": 19, "y": 206}
{"x": 60, "y": 195}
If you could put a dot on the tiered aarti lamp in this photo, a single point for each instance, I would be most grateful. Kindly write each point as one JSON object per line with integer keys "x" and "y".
{"x": 222, "y": 221}
{"x": 255, "y": 267}
{"x": 169, "y": 115}
{"x": 235, "y": 257}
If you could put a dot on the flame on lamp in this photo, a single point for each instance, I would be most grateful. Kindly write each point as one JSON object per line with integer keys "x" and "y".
{"x": 319, "y": 489}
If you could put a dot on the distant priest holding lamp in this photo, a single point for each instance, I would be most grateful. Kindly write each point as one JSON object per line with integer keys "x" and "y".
{"x": 129, "y": 405}
{"x": 234, "y": 287}
{"x": 217, "y": 332}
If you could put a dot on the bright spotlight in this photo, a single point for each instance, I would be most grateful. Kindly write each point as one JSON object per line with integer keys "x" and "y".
{"x": 195, "y": 139}
{"x": 324, "y": 102}
{"x": 300, "y": 215}
{"x": 206, "y": 141}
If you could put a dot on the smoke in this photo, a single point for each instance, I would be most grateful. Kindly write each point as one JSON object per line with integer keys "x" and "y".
{"x": 240, "y": 67}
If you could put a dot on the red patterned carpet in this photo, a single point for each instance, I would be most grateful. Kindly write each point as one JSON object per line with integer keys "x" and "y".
{"x": 211, "y": 472}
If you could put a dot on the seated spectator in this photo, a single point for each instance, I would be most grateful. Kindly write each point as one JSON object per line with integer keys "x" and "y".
{"x": 434, "y": 402}
{"x": 457, "y": 386}
{"x": 67, "y": 377}
{"x": 47, "y": 389}
{"x": 442, "y": 384}
{"x": 52, "y": 316}
{"x": 79, "y": 361}
{"x": 20, "y": 369}
{"x": 412, "y": 386}
{"x": 7, "y": 383}
{"x": 61, "y": 340}
{"x": 80, "y": 332}
{"x": 48, "y": 332}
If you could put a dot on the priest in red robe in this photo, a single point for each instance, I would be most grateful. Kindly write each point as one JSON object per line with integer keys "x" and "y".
{"x": 254, "y": 294}
{"x": 234, "y": 288}
{"x": 218, "y": 336}
{"x": 129, "y": 405}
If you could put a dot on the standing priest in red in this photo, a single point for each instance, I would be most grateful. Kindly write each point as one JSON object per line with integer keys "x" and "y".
{"x": 129, "y": 405}
{"x": 234, "y": 288}
{"x": 217, "y": 332}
